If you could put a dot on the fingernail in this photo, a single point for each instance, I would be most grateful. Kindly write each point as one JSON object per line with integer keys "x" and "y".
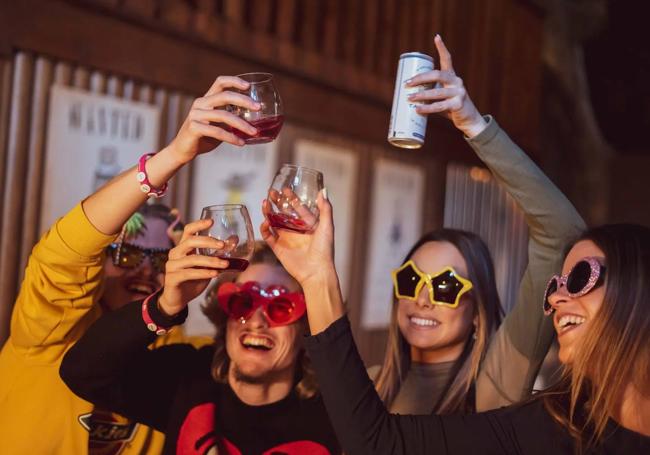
{"x": 324, "y": 193}
{"x": 437, "y": 36}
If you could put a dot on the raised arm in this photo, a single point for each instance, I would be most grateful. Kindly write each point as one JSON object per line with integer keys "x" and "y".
{"x": 62, "y": 280}
{"x": 518, "y": 349}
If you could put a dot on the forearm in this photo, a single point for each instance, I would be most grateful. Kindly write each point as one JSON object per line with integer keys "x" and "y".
{"x": 112, "y": 205}
{"x": 324, "y": 300}
{"x": 550, "y": 216}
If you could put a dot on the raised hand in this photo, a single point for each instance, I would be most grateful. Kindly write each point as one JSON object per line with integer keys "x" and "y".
{"x": 187, "y": 274}
{"x": 447, "y": 95}
{"x": 306, "y": 256}
{"x": 206, "y": 126}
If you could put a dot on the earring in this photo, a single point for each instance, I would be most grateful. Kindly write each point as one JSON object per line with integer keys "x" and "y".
{"x": 474, "y": 335}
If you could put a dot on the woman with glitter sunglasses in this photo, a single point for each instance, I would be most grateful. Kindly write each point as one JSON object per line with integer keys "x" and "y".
{"x": 69, "y": 282}
{"x": 447, "y": 351}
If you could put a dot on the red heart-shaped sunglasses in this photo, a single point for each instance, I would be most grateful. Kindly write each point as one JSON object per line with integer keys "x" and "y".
{"x": 279, "y": 306}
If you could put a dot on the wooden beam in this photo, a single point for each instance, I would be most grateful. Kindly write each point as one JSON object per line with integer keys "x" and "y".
{"x": 165, "y": 60}
{"x": 285, "y": 19}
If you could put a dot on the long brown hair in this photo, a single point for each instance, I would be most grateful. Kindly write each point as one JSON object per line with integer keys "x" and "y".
{"x": 305, "y": 382}
{"x": 459, "y": 394}
{"x": 615, "y": 351}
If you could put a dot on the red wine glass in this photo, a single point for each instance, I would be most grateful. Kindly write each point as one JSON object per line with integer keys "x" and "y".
{"x": 292, "y": 198}
{"x": 269, "y": 119}
{"x": 232, "y": 225}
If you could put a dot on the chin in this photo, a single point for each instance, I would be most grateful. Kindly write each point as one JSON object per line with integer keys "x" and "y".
{"x": 565, "y": 356}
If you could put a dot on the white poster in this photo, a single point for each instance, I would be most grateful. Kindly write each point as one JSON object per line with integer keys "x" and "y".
{"x": 90, "y": 139}
{"x": 230, "y": 175}
{"x": 339, "y": 168}
{"x": 396, "y": 224}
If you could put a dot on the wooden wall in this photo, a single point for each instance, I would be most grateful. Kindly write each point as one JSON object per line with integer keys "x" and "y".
{"x": 334, "y": 61}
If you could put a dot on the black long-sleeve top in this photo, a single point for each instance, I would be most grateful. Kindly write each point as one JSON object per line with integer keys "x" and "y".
{"x": 171, "y": 389}
{"x": 364, "y": 426}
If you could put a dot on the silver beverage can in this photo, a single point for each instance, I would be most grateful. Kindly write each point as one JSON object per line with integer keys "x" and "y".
{"x": 407, "y": 127}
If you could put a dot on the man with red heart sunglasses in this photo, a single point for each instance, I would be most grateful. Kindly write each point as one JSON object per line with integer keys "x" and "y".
{"x": 253, "y": 391}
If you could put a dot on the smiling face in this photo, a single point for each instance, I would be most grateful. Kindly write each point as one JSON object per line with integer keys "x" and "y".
{"x": 573, "y": 315}
{"x": 259, "y": 353}
{"x": 126, "y": 285}
{"x": 436, "y": 333}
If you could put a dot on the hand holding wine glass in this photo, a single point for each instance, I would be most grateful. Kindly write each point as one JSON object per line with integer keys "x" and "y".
{"x": 303, "y": 254}
{"x": 208, "y": 123}
{"x": 292, "y": 197}
{"x": 188, "y": 274}
{"x": 269, "y": 118}
{"x": 231, "y": 224}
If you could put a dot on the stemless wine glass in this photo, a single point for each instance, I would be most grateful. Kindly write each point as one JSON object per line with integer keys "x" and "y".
{"x": 232, "y": 225}
{"x": 268, "y": 120}
{"x": 292, "y": 198}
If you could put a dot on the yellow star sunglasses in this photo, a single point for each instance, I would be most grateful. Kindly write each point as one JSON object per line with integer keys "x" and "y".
{"x": 445, "y": 287}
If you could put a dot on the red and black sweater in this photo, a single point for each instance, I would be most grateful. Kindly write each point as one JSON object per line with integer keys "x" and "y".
{"x": 171, "y": 389}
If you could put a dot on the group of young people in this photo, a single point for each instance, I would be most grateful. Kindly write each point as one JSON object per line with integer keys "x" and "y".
{"x": 93, "y": 364}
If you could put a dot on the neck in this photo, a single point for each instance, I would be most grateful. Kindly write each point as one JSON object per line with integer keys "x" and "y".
{"x": 438, "y": 355}
{"x": 255, "y": 393}
{"x": 634, "y": 411}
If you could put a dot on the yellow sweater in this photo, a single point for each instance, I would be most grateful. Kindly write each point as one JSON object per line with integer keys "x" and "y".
{"x": 57, "y": 302}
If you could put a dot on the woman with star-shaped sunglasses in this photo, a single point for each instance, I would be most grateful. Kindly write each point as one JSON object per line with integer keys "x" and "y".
{"x": 447, "y": 350}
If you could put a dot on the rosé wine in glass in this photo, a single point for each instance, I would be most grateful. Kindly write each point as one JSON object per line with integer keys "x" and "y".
{"x": 232, "y": 225}
{"x": 292, "y": 198}
{"x": 269, "y": 119}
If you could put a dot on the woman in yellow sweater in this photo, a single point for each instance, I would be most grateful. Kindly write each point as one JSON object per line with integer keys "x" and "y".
{"x": 67, "y": 285}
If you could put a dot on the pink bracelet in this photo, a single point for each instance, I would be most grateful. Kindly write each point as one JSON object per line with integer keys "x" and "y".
{"x": 147, "y": 318}
{"x": 143, "y": 179}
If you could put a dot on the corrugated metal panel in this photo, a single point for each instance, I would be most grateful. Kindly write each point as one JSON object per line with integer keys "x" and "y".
{"x": 476, "y": 203}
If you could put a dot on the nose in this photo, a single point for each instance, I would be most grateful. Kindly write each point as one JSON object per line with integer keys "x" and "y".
{"x": 559, "y": 297}
{"x": 423, "y": 298}
{"x": 257, "y": 320}
{"x": 147, "y": 271}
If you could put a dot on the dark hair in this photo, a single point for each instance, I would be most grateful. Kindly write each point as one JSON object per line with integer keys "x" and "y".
{"x": 614, "y": 352}
{"x": 458, "y": 396}
{"x": 305, "y": 381}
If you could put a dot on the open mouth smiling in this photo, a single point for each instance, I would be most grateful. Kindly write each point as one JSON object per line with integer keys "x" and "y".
{"x": 567, "y": 322}
{"x": 256, "y": 342}
{"x": 423, "y": 323}
{"x": 141, "y": 288}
